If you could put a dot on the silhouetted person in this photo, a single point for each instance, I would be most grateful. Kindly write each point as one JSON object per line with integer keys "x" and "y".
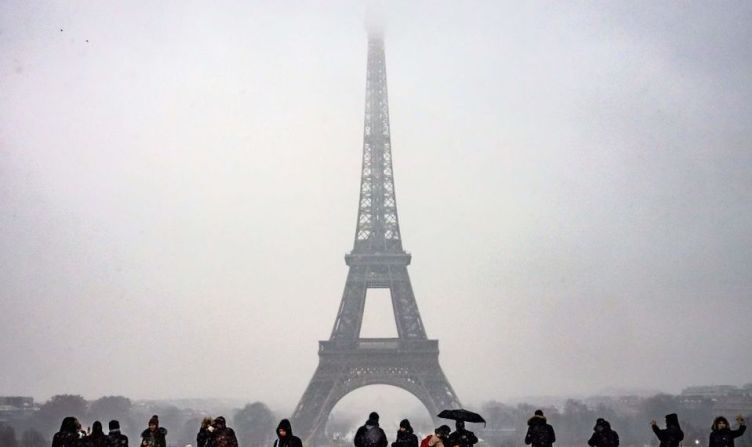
{"x": 285, "y": 438}
{"x": 603, "y": 435}
{"x": 68, "y": 436}
{"x": 154, "y": 436}
{"x": 461, "y": 437}
{"x": 721, "y": 434}
{"x": 203, "y": 437}
{"x": 670, "y": 436}
{"x": 370, "y": 434}
{"x": 114, "y": 437}
{"x": 539, "y": 432}
{"x": 223, "y": 436}
{"x": 96, "y": 438}
{"x": 405, "y": 435}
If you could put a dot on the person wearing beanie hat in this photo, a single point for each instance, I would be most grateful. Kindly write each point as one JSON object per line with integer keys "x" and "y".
{"x": 285, "y": 438}
{"x": 114, "y": 437}
{"x": 370, "y": 434}
{"x": 223, "y": 436}
{"x": 539, "y": 432}
{"x": 603, "y": 435}
{"x": 405, "y": 436}
{"x": 154, "y": 436}
{"x": 672, "y": 435}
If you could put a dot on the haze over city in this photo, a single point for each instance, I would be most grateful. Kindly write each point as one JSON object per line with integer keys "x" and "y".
{"x": 179, "y": 184}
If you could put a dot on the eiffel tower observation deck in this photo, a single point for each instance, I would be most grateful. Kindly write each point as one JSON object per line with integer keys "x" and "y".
{"x": 377, "y": 261}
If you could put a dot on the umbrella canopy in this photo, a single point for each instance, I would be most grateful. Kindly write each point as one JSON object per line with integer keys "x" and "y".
{"x": 461, "y": 414}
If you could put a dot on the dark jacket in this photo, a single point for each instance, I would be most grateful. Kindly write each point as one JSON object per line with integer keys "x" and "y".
{"x": 406, "y": 438}
{"x": 116, "y": 439}
{"x": 370, "y": 435}
{"x": 157, "y": 438}
{"x": 539, "y": 432}
{"x": 603, "y": 435}
{"x": 672, "y": 435}
{"x": 223, "y": 436}
{"x": 289, "y": 440}
{"x": 725, "y": 437}
{"x": 462, "y": 438}
{"x": 203, "y": 437}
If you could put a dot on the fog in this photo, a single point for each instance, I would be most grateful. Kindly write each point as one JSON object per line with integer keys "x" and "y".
{"x": 179, "y": 184}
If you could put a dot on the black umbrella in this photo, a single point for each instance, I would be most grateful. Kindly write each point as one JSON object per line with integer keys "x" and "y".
{"x": 462, "y": 415}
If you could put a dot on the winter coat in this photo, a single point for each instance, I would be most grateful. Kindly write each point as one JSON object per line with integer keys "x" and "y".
{"x": 670, "y": 436}
{"x": 603, "y": 436}
{"x": 370, "y": 435}
{"x": 539, "y": 432}
{"x": 96, "y": 440}
{"x": 203, "y": 438}
{"x": 157, "y": 438}
{"x": 224, "y": 437}
{"x": 289, "y": 440}
{"x": 462, "y": 438}
{"x": 725, "y": 437}
{"x": 66, "y": 439}
{"x": 406, "y": 438}
{"x": 116, "y": 439}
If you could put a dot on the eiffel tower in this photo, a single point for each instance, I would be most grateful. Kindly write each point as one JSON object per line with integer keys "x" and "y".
{"x": 347, "y": 362}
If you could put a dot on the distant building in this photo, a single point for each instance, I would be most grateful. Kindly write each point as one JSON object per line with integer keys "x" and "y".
{"x": 16, "y": 407}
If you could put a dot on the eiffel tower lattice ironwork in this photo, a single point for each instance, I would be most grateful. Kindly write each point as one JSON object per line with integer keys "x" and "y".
{"x": 346, "y": 361}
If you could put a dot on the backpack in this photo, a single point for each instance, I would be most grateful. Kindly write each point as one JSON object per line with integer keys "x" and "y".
{"x": 373, "y": 437}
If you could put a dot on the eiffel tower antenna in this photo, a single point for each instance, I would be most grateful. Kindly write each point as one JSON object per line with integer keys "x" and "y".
{"x": 346, "y": 361}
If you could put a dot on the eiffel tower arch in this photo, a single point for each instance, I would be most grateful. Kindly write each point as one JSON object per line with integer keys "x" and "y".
{"x": 347, "y": 362}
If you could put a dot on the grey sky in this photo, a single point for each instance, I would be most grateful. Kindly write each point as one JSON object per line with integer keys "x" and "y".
{"x": 573, "y": 180}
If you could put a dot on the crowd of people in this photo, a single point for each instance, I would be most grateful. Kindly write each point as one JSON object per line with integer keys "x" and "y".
{"x": 214, "y": 432}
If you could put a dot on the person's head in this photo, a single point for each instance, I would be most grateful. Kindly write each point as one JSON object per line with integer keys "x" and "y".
{"x": 373, "y": 417}
{"x": 114, "y": 425}
{"x": 460, "y": 425}
{"x": 720, "y": 423}
{"x": 154, "y": 423}
{"x": 96, "y": 427}
{"x": 219, "y": 422}
{"x": 206, "y": 422}
{"x": 600, "y": 425}
{"x": 539, "y": 413}
{"x": 672, "y": 420}
{"x": 78, "y": 424}
{"x": 442, "y": 431}
{"x": 405, "y": 426}
{"x": 284, "y": 429}
{"x": 69, "y": 425}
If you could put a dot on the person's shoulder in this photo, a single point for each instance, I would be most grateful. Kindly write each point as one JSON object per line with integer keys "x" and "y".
{"x": 145, "y": 433}
{"x": 162, "y": 431}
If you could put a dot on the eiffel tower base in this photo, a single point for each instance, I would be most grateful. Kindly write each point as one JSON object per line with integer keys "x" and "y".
{"x": 412, "y": 365}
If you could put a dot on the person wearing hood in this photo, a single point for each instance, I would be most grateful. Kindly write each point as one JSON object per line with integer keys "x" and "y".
{"x": 405, "y": 435}
{"x": 223, "y": 436}
{"x": 370, "y": 434}
{"x": 68, "y": 435}
{"x": 114, "y": 437}
{"x": 285, "y": 438}
{"x": 603, "y": 435}
{"x": 154, "y": 436}
{"x": 672, "y": 435}
{"x": 721, "y": 434}
{"x": 461, "y": 437}
{"x": 539, "y": 432}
